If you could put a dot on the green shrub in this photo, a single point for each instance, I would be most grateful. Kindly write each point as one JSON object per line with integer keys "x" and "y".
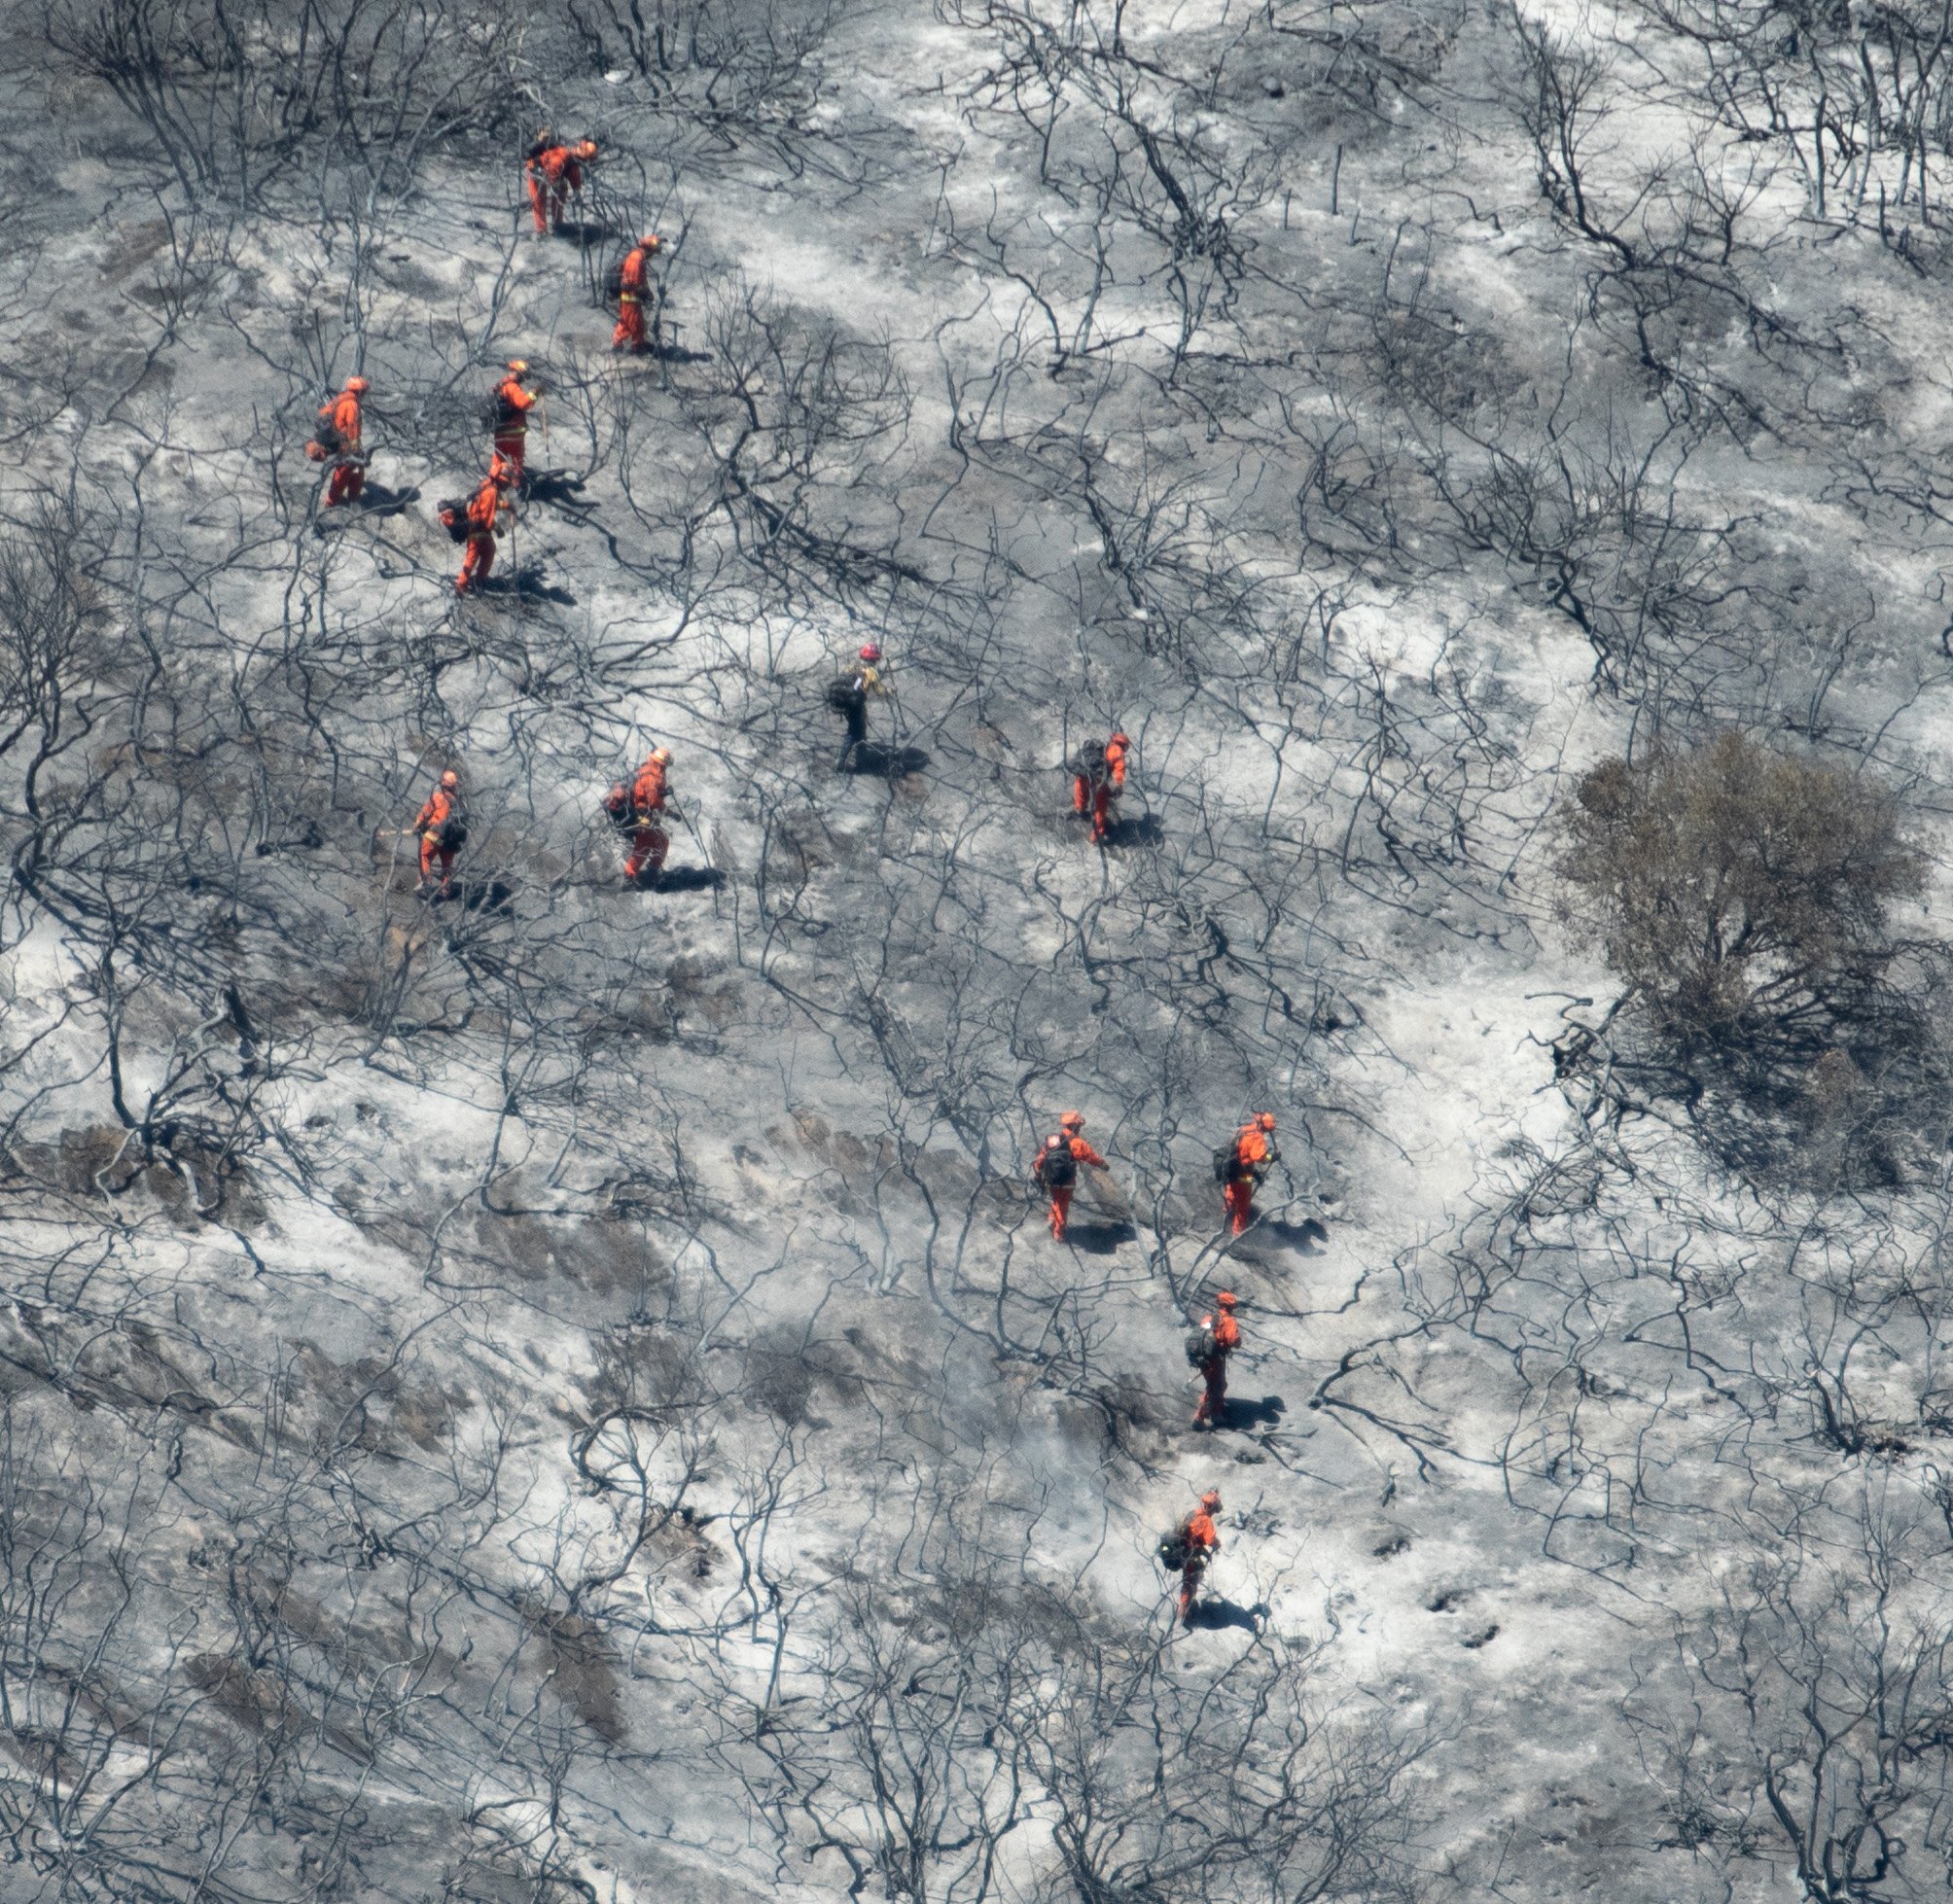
{"x": 1742, "y": 892}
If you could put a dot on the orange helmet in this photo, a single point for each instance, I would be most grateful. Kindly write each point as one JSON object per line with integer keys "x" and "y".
{"x": 518, "y": 364}
{"x": 1210, "y": 1499}
{"x": 450, "y": 778}
{"x": 500, "y": 470}
{"x": 1072, "y": 1120}
{"x": 1225, "y": 1298}
{"x": 587, "y": 147}
{"x": 661, "y": 755}
{"x": 651, "y": 241}
{"x": 1265, "y": 1121}
{"x": 1120, "y": 738}
{"x": 359, "y": 386}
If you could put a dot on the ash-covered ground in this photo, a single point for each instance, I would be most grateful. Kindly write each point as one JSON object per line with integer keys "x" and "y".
{"x": 567, "y": 1393}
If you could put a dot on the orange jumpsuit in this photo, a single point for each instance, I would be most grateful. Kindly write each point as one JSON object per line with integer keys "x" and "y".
{"x": 649, "y": 843}
{"x": 1237, "y": 1193}
{"x": 479, "y": 556}
{"x": 1227, "y": 1339}
{"x": 633, "y": 281}
{"x": 1099, "y": 789}
{"x": 553, "y": 174}
{"x": 1061, "y": 1193}
{"x": 1088, "y": 796}
{"x": 1203, "y": 1543}
{"x": 429, "y": 821}
{"x": 512, "y": 405}
{"x": 348, "y": 475}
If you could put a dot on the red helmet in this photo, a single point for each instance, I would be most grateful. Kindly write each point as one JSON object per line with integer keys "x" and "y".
{"x": 1210, "y": 1499}
{"x": 870, "y": 651}
{"x": 359, "y": 386}
{"x": 1121, "y": 737}
{"x": 1072, "y": 1120}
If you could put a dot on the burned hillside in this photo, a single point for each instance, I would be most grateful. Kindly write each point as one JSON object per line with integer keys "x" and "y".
{"x": 638, "y": 642}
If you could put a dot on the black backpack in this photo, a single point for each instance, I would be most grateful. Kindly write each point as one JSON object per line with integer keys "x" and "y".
{"x": 618, "y": 808}
{"x": 614, "y": 281}
{"x": 1199, "y": 1347}
{"x": 1173, "y": 1550}
{"x": 328, "y": 438}
{"x": 452, "y": 513}
{"x": 453, "y": 834}
{"x": 537, "y": 150}
{"x": 1057, "y": 1170}
{"x": 1223, "y": 1164}
{"x": 1091, "y": 761}
{"x": 846, "y": 694}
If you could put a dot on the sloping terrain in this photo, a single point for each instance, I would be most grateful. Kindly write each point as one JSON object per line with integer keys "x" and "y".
{"x": 567, "y": 1392}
